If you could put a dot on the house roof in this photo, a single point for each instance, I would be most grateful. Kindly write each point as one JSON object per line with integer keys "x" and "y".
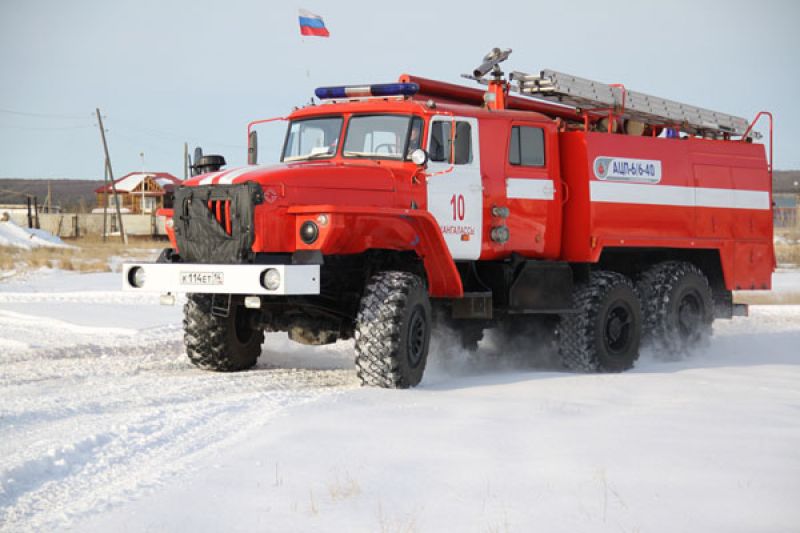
{"x": 129, "y": 182}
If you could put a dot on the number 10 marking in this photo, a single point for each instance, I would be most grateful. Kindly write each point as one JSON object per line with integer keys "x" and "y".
{"x": 458, "y": 204}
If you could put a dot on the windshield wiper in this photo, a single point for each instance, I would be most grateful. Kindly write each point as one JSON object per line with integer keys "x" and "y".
{"x": 372, "y": 154}
{"x": 308, "y": 156}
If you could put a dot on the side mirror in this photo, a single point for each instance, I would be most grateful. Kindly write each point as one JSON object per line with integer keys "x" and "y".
{"x": 252, "y": 148}
{"x": 419, "y": 157}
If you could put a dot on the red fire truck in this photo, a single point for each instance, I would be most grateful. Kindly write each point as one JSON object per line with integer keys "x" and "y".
{"x": 609, "y": 216}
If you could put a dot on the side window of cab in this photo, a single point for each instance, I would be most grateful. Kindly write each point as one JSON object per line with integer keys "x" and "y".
{"x": 439, "y": 146}
{"x": 526, "y": 146}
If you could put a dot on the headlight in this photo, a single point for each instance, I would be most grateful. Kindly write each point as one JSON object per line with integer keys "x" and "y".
{"x": 271, "y": 279}
{"x": 309, "y": 232}
{"x": 136, "y": 277}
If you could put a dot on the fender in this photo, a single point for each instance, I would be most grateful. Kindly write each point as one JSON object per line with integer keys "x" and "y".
{"x": 354, "y": 229}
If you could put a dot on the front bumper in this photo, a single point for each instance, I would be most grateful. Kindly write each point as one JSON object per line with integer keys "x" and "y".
{"x": 220, "y": 279}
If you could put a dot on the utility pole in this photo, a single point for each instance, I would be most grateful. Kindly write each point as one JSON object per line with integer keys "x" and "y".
{"x": 111, "y": 176}
{"x": 105, "y": 202}
{"x": 185, "y": 161}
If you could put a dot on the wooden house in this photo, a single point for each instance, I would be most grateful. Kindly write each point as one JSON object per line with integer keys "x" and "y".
{"x": 139, "y": 192}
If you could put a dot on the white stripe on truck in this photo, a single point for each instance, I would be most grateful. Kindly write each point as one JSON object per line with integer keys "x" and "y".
{"x": 634, "y": 193}
{"x": 530, "y": 189}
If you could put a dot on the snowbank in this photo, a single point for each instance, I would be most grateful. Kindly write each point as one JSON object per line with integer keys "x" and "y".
{"x": 19, "y": 237}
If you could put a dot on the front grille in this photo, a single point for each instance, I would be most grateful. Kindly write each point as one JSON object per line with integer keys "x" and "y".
{"x": 215, "y": 223}
{"x": 221, "y": 209}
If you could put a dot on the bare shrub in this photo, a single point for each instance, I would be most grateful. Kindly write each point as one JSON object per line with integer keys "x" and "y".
{"x": 788, "y": 253}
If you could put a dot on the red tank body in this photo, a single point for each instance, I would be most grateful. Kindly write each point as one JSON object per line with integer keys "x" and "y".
{"x": 714, "y": 195}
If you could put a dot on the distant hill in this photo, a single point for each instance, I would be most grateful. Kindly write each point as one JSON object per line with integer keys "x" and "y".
{"x": 67, "y": 193}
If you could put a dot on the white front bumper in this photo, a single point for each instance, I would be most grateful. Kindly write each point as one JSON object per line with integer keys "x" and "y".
{"x": 223, "y": 279}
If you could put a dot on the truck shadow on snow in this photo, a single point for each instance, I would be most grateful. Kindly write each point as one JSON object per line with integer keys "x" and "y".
{"x": 457, "y": 369}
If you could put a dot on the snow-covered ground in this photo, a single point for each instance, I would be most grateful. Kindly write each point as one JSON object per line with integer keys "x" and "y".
{"x": 104, "y": 426}
{"x": 19, "y": 237}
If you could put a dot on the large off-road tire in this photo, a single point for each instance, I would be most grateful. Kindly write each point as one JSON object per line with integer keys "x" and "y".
{"x": 393, "y": 330}
{"x": 223, "y": 344}
{"x": 678, "y": 306}
{"x": 604, "y": 335}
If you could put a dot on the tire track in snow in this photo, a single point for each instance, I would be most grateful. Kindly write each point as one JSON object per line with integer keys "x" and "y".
{"x": 91, "y": 417}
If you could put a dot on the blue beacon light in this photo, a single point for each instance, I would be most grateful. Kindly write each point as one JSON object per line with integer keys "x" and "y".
{"x": 360, "y": 91}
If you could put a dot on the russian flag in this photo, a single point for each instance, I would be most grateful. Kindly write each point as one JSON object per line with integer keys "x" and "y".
{"x": 311, "y": 24}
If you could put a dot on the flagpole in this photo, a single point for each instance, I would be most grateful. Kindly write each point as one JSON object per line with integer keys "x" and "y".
{"x": 305, "y": 55}
{"x": 310, "y": 25}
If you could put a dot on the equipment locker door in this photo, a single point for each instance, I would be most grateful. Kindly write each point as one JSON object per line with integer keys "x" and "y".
{"x": 455, "y": 192}
{"x": 531, "y": 179}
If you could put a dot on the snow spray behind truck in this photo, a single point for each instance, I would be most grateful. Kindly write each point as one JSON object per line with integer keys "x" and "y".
{"x": 608, "y": 215}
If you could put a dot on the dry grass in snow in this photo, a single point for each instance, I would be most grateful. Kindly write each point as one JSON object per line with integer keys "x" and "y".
{"x": 86, "y": 255}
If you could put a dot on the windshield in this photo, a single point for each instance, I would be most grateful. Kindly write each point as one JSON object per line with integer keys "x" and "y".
{"x": 313, "y": 138}
{"x": 382, "y": 136}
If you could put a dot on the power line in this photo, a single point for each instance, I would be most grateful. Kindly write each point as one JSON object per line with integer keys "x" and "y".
{"x": 126, "y": 124}
{"x": 139, "y": 143}
{"x": 42, "y": 128}
{"x": 66, "y": 116}
{"x": 117, "y": 122}
{"x": 136, "y": 131}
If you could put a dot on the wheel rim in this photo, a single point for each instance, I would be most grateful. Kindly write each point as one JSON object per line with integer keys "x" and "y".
{"x": 690, "y": 315}
{"x": 241, "y": 325}
{"x": 618, "y": 328}
{"x": 415, "y": 341}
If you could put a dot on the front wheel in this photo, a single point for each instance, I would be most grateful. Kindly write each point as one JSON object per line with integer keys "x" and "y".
{"x": 223, "y": 344}
{"x": 393, "y": 331}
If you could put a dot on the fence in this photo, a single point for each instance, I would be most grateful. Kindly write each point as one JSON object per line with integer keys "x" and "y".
{"x": 73, "y": 225}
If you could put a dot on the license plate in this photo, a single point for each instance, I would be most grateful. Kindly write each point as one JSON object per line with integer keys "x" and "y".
{"x": 202, "y": 278}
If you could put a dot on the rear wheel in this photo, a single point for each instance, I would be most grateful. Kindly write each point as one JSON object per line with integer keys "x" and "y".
{"x": 604, "y": 334}
{"x": 678, "y": 306}
{"x": 224, "y": 344}
{"x": 393, "y": 330}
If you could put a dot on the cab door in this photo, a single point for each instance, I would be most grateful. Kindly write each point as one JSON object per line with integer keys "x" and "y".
{"x": 455, "y": 192}
{"x": 532, "y": 180}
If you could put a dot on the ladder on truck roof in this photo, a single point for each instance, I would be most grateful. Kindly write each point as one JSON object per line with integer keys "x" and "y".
{"x": 589, "y": 95}
{"x": 594, "y": 100}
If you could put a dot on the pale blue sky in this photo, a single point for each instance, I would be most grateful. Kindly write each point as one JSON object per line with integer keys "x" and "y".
{"x": 164, "y": 72}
